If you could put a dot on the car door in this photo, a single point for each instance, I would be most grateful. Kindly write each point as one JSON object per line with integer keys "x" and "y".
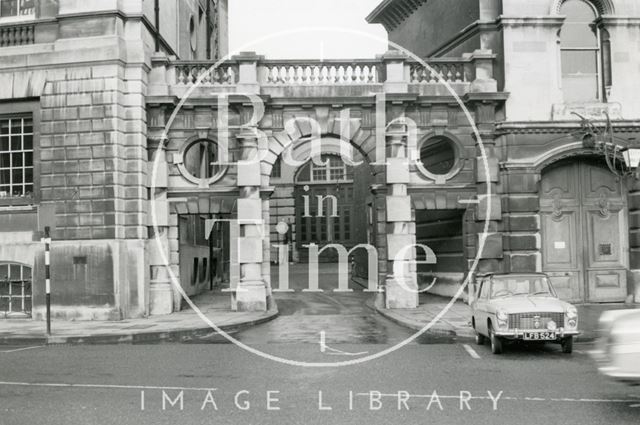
{"x": 480, "y": 307}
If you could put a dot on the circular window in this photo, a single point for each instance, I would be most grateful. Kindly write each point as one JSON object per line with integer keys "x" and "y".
{"x": 439, "y": 158}
{"x": 193, "y": 33}
{"x": 198, "y": 162}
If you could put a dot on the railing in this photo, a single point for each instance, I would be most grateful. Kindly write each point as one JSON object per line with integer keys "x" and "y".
{"x": 188, "y": 73}
{"x": 17, "y": 35}
{"x": 392, "y": 71}
{"x": 315, "y": 72}
{"x": 452, "y": 71}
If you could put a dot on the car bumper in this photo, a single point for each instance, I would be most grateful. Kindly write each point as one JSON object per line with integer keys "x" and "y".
{"x": 519, "y": 334}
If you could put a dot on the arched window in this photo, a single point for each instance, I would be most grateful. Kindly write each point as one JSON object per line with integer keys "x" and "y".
{"x": 580, "y": 53}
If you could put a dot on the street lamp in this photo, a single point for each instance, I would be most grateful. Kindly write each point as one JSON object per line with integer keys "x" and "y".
{"x": 622, "y": 159}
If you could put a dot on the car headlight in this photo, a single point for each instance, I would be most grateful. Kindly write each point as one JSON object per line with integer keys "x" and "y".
{"x": 572, "y": 312}
{"x": 502, "y": 315}
{"x": 572, "y": 323}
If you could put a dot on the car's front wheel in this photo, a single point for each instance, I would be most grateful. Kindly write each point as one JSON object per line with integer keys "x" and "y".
{"x": 496, "y": 342}
{"x": 567, "y": 345}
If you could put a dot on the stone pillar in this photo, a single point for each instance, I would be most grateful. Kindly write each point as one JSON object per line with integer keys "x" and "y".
{"x": 395, "y": 81}
{"x": 160, "y": 288}
{"x": 401, "y": 284}
{"x": 251, "y": 291}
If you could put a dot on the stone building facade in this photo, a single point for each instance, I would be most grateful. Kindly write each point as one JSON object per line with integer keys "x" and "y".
{"x": 562, "y": 210}
{"x": 73, "y": 87}
{"x": 126, "y": 130}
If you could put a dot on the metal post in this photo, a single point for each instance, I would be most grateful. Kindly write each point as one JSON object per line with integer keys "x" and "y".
{"x": 47, "y": 275}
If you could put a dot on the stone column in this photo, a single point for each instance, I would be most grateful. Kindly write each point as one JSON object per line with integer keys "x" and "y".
{"x": 251, "y": 291}
{"x": 401, "y": 285}
{"x": 160, "y": 288}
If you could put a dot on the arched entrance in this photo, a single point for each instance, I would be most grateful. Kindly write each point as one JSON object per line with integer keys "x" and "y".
{"x": 325, "y": 207}
{"x": 584, "y": 231}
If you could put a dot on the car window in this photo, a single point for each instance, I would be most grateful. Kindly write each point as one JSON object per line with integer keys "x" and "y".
{"x": 515, "y": 286}
{"x": 484, "y": 289}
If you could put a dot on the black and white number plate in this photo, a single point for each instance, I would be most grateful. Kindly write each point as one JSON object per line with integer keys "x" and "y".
{"x": 539, "y": 336}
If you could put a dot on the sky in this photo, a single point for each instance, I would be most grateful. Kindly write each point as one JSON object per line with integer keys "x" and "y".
{"x": 251, "y": 20}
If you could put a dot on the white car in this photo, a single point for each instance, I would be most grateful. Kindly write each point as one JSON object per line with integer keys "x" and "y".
{"x": 521, "y": 307}
{"x": 618, "y": 348}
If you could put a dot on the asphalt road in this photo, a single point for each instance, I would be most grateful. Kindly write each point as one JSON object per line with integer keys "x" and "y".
{"x": 426, "y": 381}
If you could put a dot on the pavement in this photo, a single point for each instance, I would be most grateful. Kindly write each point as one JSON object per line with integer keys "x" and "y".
{"x": 455, "y": 319}
{"x": 179, "y": 326}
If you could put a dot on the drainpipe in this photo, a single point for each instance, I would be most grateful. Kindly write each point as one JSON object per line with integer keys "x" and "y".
{"x": 156, "y": 9}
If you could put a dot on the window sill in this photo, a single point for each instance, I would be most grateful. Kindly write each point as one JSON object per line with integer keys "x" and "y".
{"x": 21, "y": 204}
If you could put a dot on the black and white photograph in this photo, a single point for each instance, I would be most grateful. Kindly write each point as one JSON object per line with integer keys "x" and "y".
{"x": 256, "y": 212}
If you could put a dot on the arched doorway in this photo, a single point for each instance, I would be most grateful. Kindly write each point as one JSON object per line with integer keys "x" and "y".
{"x": 325, "y": 204}
{"x": 584, "y": 231}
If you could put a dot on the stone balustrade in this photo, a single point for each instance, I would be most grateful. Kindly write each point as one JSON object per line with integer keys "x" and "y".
{"x": 392, "y": 72}
{"x": 188, "y": 72}
{"x": 17, "y": 35}
{"x": 316, "y": 72}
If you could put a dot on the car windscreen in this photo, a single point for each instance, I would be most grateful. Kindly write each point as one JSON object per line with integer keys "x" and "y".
{"x": 523, "y": 285}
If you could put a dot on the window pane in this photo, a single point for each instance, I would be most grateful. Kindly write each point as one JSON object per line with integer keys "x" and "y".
{"x": 16, "y": 159}
{"x": 577, "y": 30}
{"x": 8, "y": 8}
{"x": 579, "y": 76}
{"x": 4, "y": 127}
{"x": 579, "y": 62}
{"x": 28, "y": 142}
{"x": 5, "y": 176}
{"x": 28, "y": 175}
{"x": 580, "y": 88}
{"x": 4, "y": 143}
{"x": 17, "y": 177}
{"x": 16, "y": 143}
{"x": 28, "y": 159}
{"x": 28, "y": 125}
{"x": 4, "y": 160}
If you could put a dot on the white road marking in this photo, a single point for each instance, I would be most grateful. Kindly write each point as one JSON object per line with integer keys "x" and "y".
{"x": 471, "y": 351}
{"x": 22, "y": 349}
{"x": 108, "y": 386}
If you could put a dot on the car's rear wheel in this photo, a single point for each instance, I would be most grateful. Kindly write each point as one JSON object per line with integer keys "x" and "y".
{"x": 567, "y": 345}
{"x": 496, "y": 342}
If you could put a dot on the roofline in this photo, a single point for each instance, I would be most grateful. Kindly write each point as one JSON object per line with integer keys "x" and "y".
{"x": 372, "y": 18}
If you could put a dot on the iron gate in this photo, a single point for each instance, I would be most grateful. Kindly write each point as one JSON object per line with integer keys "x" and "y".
{"x": 15, "y": 290}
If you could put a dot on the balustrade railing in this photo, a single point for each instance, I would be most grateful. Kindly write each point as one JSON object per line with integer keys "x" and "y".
{"x": 321, "y": 72}
{"x": 17, "y": 35}
{"x": 261, "y": 72}
{"x": 188, "y": 73}
{"x": 451, "y": 71}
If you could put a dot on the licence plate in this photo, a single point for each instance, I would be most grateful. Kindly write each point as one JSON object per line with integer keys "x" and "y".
{"x": 539, "y": 336}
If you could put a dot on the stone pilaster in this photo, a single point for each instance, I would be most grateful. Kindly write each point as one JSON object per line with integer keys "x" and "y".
{"x": 160, "y": 289}
{"x": 251, "y": 291}
{"x": 634, "y": 240}
{"x": 401, "y": 284}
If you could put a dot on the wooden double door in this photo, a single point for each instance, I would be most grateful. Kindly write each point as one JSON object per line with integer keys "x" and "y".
{"x": 584, "y": 231}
